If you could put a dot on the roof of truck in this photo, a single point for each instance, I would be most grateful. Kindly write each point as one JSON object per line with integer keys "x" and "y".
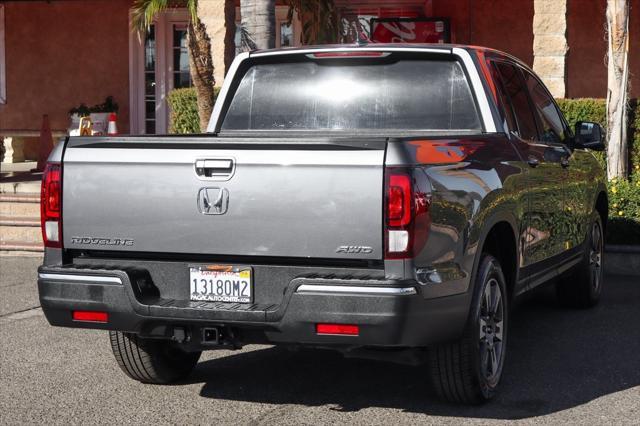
{"x": 387, "y": 46}
{"x": 382, "y": 46}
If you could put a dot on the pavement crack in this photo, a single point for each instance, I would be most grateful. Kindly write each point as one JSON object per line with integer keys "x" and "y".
{"x": 22, "y": 314}
{"x": 19, "y": 312}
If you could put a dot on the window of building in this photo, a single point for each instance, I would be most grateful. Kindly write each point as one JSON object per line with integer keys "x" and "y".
{"x": 286, "y": 34}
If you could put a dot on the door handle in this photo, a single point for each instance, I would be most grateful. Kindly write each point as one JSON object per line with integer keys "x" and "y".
{"x": 533, "y": 162}
{"x": 215, "y": 168}
{"x": 564, "y": 162}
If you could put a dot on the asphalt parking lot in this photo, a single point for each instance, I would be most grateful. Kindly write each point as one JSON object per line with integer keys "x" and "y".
{"x": 564, "y": 366}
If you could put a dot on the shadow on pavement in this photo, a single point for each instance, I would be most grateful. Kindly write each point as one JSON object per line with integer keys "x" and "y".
{"x": 557, "y": 359}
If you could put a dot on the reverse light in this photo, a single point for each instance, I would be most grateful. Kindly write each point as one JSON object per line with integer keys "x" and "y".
{"x": 406, "y": 212}
{"x": 90, "y": 316}
{"x": 51, "y": 205}
{"x": 340, "y": 329}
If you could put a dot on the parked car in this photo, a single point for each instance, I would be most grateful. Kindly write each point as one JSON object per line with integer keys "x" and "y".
{"x": 386, "y": 201}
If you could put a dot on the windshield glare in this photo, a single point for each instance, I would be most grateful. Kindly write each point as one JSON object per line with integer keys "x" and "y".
{"x": 403, "y": 95}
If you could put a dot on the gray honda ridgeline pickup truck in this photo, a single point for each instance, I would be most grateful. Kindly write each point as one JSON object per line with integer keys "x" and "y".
{"x": 386, "y": 201}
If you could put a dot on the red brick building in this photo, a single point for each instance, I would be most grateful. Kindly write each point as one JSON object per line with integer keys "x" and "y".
{"x": 57, "y": 54}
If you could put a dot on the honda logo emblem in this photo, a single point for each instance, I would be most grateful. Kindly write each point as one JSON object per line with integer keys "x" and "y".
{"x": 213, "y": 200}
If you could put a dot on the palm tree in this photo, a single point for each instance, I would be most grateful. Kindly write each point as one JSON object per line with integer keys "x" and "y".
{"x": 617, "y": 87}
{"x": 321, "y": 23}
{"x": 199, "y": 45}
{"x": 258, "y": 24}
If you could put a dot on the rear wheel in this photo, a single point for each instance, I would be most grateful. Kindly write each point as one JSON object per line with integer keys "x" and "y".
{"x": 469, "y": 370}
{"x": 583, "y": 287}
{"x": 151, "y": 361}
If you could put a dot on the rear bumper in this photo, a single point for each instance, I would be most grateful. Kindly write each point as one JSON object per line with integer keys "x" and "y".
{"x": 389, "y": 314}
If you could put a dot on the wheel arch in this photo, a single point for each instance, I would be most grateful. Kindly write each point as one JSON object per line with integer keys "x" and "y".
{"x": 602, "y": 207}
{"x": 500, "y": 239}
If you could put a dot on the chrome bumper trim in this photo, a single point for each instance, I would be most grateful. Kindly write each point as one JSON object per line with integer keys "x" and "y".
{"x": 83, "y": 278}
{"x": 396, "y": 291}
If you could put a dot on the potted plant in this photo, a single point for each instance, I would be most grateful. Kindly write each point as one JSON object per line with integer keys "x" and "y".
{"x": 98, "y": 113}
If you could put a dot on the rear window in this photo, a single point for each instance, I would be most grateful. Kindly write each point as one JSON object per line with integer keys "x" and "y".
{"x": 402, "y": 95}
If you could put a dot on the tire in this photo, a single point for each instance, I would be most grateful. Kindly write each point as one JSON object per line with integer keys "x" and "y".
{"x": 468, "y": 371}
{"x": 150, "y": 360}
{"x": 582, "y": 288}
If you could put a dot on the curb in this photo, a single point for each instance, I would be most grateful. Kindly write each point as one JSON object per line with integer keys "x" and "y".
{"x": 622, "y": 260}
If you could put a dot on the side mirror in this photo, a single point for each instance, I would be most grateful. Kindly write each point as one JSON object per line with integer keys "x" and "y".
{"x": 589, "y": 135}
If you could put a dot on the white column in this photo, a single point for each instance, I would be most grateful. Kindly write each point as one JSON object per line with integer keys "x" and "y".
{"x": 550, "y": 43}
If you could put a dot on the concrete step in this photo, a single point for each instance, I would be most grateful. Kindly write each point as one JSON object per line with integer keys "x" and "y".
{"x": 12, "y": 248}
{"x": 20, "y": 233}
{"x": 23, "y": 205}
{"x": 26, "y": 232}
{"x": 21, "y": 187}
{"x": 19, "y": 221}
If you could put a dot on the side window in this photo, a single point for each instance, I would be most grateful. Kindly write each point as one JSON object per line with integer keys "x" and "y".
{"x": 503, "y": 98}
{"x": 516, "y": 90}
{"x": 552, "y": 128}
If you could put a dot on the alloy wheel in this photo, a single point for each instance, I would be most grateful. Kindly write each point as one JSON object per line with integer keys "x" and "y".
{"x": 491, "y": 329}
{"x": 595, "y": 256}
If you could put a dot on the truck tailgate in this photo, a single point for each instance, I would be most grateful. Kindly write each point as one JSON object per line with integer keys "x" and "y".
{"x": 321, "y": 198}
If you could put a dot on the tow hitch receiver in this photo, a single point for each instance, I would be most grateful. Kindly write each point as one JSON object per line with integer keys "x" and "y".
{"x": 211, "y": 336}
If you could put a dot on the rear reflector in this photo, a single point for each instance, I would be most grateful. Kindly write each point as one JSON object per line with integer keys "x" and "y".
{"x": 90, "y": 316}
{"x": 344, "y": 329}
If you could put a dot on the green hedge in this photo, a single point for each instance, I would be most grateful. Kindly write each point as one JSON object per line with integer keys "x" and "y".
{"x": 624, "y": 211}
{"x": 183, "y": 104}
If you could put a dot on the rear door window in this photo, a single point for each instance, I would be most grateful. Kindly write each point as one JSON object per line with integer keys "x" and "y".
{"x": 516, "y": 89}
{"x": 504, "y": 99}
{"x": 552, "y": 129}
{"x": 353, "y": 95}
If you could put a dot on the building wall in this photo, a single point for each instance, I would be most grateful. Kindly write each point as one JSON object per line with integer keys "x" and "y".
{"x": 501, "y": 24}
{"x": 61, "y": 54}
{"x": 587, "y": 56}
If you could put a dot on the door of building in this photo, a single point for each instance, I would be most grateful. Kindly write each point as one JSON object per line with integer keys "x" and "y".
{"x": 158, "y": 63}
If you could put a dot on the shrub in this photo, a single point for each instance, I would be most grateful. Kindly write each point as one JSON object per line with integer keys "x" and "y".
{"x": 183, "y": 104}
{"x": 634, "y": 138}
{"x": 586, "y": 109}
{"x": 624, "y": 211}
{"x": 592, "y": 109}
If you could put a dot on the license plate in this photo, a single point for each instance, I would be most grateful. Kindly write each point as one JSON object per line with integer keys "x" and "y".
{"x": 221, "y": 283}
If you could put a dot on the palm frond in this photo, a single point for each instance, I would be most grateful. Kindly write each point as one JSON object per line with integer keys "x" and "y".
{"x": 144, "y": 11}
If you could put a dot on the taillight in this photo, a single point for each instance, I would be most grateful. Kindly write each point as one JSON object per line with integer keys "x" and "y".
{"x": 406, "y": 212}
{"x": 51, "y": 205}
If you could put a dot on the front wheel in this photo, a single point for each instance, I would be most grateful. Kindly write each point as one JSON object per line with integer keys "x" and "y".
{"x": 151, "y": 360}
{"x": 583, "y": 287}
{"x": 469, "y": 370}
